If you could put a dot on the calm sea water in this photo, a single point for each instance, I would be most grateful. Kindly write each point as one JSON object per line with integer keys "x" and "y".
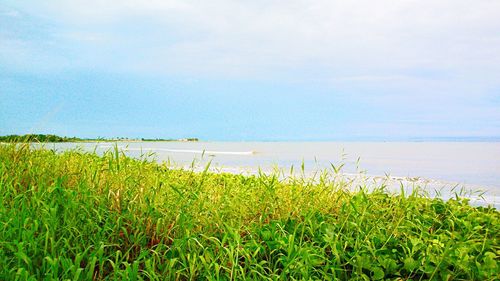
{"x": 475, "y": 165}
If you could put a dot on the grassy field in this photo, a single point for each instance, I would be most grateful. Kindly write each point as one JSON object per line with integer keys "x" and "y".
{"x": 80, "y": 216}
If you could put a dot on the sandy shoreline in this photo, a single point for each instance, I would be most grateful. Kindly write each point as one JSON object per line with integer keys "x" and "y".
{"x": 478, "y": 195}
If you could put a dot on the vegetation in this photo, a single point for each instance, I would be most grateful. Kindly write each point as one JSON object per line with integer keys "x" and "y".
{"x": 81, "y": 216}
{"x": 53, "y": 138}
{"x": 37, "y": 138}
{"x": 160, "y": 139}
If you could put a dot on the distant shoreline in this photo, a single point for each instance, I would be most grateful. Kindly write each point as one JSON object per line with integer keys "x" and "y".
{"x": 55, "y": 138}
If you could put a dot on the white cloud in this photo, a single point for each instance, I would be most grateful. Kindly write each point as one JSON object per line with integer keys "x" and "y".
{"x": 359, "y": 38}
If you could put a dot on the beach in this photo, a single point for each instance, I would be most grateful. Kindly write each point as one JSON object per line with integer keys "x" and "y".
{"x": 441, "y": 167}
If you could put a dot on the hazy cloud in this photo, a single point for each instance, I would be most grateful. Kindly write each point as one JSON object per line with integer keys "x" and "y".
{"x": 261, "y": 38}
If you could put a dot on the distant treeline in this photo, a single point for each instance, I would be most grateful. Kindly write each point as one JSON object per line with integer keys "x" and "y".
{"x": 54, "y": 138}
{"x": 37, "y": 138}
{"x": 188, "y": 139}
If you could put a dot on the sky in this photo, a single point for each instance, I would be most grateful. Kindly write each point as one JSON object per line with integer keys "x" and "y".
{"x": 251, "y": 70}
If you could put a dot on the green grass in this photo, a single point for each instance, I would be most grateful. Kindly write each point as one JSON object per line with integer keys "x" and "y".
{"x": 80, "y": 216}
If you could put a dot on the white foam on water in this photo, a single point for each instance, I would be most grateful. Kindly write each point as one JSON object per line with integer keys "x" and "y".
{"x": 192, "y": 151}
{"x": 479, "y": 194}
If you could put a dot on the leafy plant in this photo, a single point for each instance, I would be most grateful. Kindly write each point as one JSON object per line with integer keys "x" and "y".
{"x": 81, "y": 216}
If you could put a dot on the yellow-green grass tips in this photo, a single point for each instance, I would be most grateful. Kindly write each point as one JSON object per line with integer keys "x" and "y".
{"x": 81, "y": 216}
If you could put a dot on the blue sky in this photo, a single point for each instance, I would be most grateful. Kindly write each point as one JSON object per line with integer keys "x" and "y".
{"x": 251, "y": 70}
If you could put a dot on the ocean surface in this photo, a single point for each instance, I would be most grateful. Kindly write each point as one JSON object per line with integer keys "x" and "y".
{"x": 444, "y": 166}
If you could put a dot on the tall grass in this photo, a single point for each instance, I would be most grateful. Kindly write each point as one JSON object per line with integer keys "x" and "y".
{"x": 80, "y": 216}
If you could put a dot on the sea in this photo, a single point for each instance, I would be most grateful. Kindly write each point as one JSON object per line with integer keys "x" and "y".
{"x": 445, "y": 169}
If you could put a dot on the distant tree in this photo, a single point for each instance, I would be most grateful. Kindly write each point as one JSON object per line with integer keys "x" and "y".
{"x": 36, "y": 138}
